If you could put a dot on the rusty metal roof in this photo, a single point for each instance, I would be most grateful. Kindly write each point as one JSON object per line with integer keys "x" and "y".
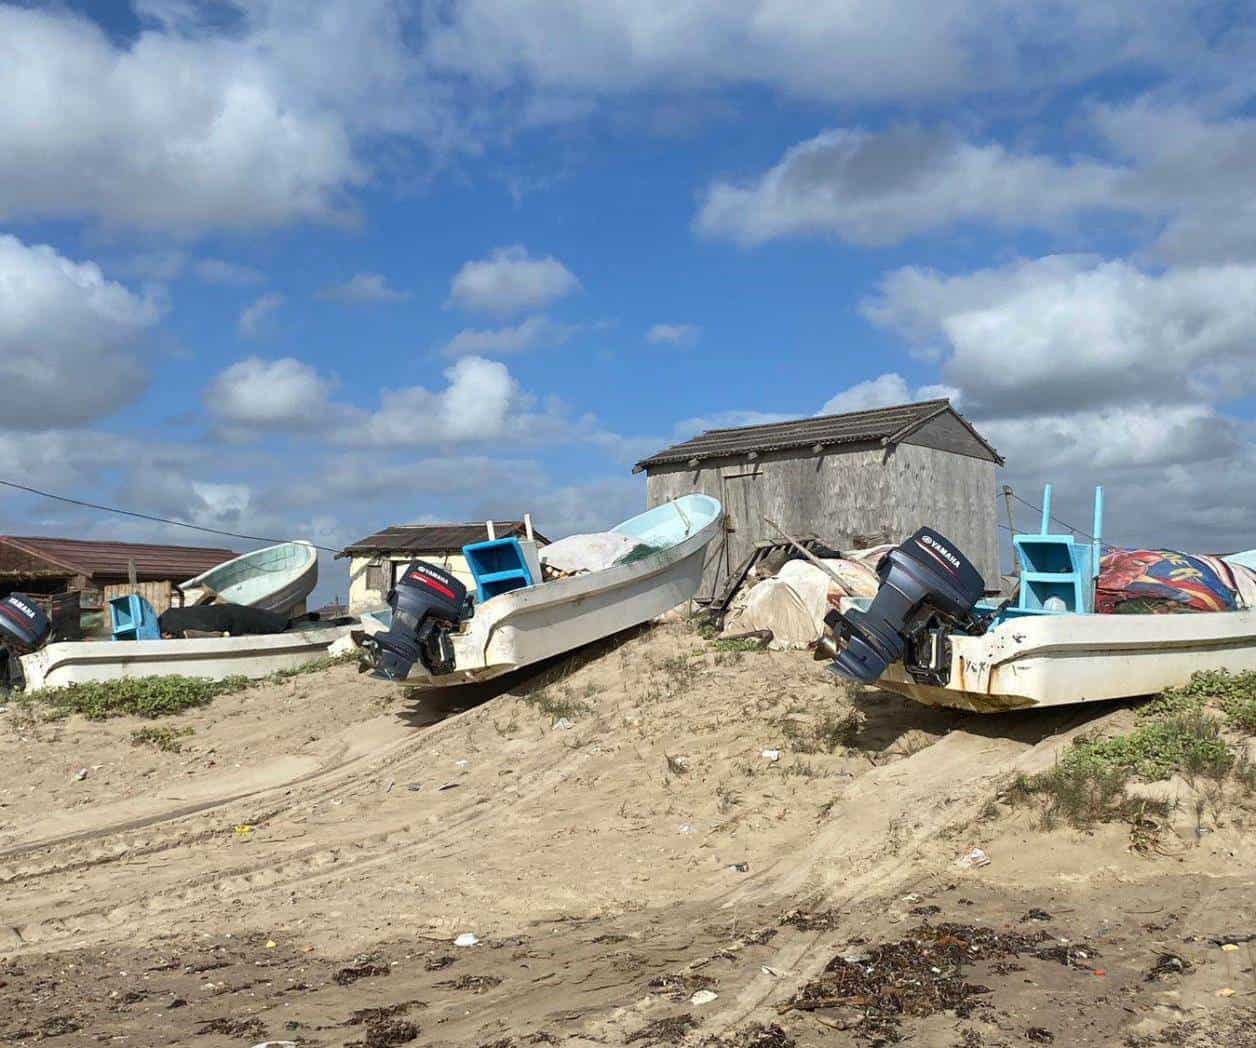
{"x": 855, "y": 427}
{"x": 434, "y": 538}
{"x": 110, "y": 559}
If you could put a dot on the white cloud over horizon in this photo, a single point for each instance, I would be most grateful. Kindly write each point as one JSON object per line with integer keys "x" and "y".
{"x": 1071, "y": 331}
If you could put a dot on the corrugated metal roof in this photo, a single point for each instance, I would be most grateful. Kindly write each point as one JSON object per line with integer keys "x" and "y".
{"x": 110, "y": 559}
{"x": 851, "y": 428}
{"x": 433, "y": 538}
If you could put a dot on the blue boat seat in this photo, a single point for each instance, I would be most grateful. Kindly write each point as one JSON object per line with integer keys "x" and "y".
{"x": 498, "y": 566}
{"x": 133, "y": 618}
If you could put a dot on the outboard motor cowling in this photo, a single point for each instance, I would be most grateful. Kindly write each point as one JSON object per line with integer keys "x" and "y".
{"x": 427, "y": 603}
{"x": 923, "y": 580}
{"x": 23, "y": 624}
{"x": 23, "y": 628}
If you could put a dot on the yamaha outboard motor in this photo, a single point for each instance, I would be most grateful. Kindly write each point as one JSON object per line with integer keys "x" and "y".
{"x": 23, "y": 628}
{"x": 927, "y": 587}
{"x": 427, "y": 603}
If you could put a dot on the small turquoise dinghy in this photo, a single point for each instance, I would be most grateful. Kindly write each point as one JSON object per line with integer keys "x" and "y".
{"x": 276, "y": 578}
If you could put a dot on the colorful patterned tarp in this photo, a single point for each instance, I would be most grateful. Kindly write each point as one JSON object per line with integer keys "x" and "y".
{"x": 1160, "y": 581}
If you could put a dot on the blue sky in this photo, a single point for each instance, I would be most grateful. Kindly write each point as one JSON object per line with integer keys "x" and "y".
{"x": 296, "y": 274}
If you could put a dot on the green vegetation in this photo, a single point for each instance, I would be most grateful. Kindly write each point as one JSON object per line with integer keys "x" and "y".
{"x": 152, "y": 696}
{"x": 738, "y": 644}
{"x": 825, "y": 735}
{"x": 1184, "y": 731}
{"x": 556, "y": 703}
{"x": 136, "y": 697}
{"x": 165, "y": 738}
{"x": 317, "y": 666}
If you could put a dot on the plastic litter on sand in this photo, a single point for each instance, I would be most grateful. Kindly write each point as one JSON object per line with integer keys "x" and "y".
{"x": 466, "y": 939}
{"x": 974, "y": 859}
{"x": 703, "y": 997}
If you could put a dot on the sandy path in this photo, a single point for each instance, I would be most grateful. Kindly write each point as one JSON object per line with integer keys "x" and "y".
{"x": 650, "y": 834}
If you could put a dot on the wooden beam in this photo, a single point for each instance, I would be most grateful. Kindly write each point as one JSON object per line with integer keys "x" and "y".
{"x": 807, "y": 553}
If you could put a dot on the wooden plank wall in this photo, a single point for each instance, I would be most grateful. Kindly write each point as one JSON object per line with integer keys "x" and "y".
{"x": 158, "y": 594}
{"x": 843, "y": 497}
{"x": 954, "y": 494}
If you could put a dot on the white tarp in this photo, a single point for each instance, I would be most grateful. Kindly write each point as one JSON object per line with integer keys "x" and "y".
{"x": 793, "y": 604}
{"x": 593, "y": 552}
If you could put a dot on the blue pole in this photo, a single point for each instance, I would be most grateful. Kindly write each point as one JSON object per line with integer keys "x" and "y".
{"x": 1097, "y": 545}
{"x": 1046, "y": 510}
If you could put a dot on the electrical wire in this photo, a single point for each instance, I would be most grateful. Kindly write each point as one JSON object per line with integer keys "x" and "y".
{"x": 150, "y": 517}
{"x": 1063, "y": 523}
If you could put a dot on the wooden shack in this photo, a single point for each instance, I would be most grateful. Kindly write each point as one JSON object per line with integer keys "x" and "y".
{"x": 850, "y": 480}
{"x": 57, "y": 569}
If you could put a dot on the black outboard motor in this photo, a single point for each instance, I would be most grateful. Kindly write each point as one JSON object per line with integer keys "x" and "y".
{"x": 927, "y": 586}
{"x": 23, "y": 628}
{"x": 426, "y": 603}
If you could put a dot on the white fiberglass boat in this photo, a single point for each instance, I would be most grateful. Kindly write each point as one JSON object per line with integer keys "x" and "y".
{"x": 81, "y": 662}
{"x": 1056, "y": 660}
{"x": 526, "y": 626}
{"x": 927, "y": 636}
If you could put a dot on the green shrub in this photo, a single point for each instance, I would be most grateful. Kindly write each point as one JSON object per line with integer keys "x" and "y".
{"x": 166, "y": 739}
{"x": 136, "y": 696}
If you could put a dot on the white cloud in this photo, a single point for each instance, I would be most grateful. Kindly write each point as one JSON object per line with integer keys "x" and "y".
{"x": 1190, "y": 174}
{"x": 217, "y": 271}
{"x": 254, "y": 316}
{"x": 68, "y": 339}
{"x": 1086, "y": 372}
{"x": 256, "y": 394}
{"x": 828, "y": 50}
{"x": 883, "y": 391}
{"x": 731, "y": 419}
{"x": 673, "y": 334}
{"x": 1069, "y": 332}
{"x": 479, "y": 403}
{"x": 364, "y": 289}
{"x": 880, "y": 188}
{"x": 1181, "y": 176}
{"x": 182, "y": 128}
{"x": 1180, "y": 476}
{"x": 510, "y": 280}
{"x": 527, "y": 334}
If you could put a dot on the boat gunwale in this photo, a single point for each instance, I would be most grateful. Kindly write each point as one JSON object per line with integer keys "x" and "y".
{"x": 575, "y": 586}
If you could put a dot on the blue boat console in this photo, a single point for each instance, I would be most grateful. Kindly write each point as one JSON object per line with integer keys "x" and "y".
{"x": 1057, "y": 573}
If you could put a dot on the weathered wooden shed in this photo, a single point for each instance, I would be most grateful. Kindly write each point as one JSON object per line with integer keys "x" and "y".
{"x": 851, "y": 480}
{"x": 73, "y": 575}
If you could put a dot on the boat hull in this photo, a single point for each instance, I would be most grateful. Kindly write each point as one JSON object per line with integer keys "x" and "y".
{"x": 526, "y": 626}
{"x": 1058, "y": 660}
{"x": 82, "y": 662}
{"x": 277, "y": 579}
